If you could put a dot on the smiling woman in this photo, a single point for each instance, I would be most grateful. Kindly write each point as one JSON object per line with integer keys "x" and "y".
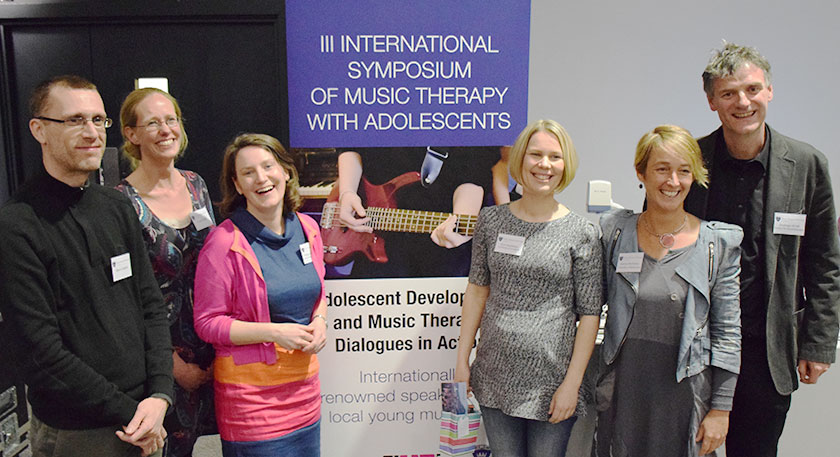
{"x": 176, "y": 213}
{"x": 262, "y": 181}
{"x": 535, "y": 272}
{"x": 672, "y": 338}
{"x": 260, "y": 301}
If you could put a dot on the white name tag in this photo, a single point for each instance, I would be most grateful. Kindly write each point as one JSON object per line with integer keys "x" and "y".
{"x": 789, "y": 224}
{"x": 121, "y": 267}
{"x": 305, "y": 253}
{"x": 630, "y": 262}
{"x": 201, "y": 219}
{"x": 509, "y": 244}
{"x": 463, "y": 425}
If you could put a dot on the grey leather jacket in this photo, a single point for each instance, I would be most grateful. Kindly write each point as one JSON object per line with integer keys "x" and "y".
{"x": 711, "y": 332}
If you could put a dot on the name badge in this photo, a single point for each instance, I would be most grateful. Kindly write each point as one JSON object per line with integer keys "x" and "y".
{"x": 463, "y": 425}
{"x": 788, "y": 224}
{"x": 121, "y": 266}
{"x": 509, "y": 244}
{"x": 305, "y": 253}
{"x": 201, "y": 219}
{"x": 630, "y": 262}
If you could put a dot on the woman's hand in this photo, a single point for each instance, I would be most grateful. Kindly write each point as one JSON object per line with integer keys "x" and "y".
{"x": 318, "y": 330}
{"x": 713, "y": 430}
{"x": 293, "y": 337}
{"x": 462, "y": 374}
{"x": 563, "y": 402}
{"x": 189, "y": 375}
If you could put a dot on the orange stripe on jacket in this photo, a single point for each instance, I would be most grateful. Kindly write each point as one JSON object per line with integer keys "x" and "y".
{"x": 291, "y": 366}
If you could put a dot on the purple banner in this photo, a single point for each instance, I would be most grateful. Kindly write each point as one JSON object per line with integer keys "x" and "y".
{"x": 407, "y": 73}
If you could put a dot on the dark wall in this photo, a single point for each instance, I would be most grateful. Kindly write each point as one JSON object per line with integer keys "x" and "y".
{"x": 226, "y": 64}
{"x": 36, "y": 53}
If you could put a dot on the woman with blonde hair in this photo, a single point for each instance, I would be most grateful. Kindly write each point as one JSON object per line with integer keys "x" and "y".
{"x": 176, "y": 213}
{"x": 535, "y": 272}
{"x": 672, "y": 338}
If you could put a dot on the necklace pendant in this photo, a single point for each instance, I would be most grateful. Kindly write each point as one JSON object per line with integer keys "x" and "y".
{"x": 667, "y": 240}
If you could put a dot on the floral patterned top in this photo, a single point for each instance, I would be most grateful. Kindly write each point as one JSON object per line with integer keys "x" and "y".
{"x": 174, "y": 253}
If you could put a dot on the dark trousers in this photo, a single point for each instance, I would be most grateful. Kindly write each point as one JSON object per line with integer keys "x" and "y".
{"x": 99, "y": 442}
{"x": 758, "y": 410}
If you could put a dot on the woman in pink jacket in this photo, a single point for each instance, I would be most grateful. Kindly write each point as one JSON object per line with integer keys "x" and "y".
{"x": 259, "y": 299}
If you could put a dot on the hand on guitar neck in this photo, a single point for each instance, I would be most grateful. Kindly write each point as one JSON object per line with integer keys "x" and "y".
{"x": 349, "y": 228}
{"x": 444, "y": 235}
{"x": 351, "y": 212}
{"x": 352, "y": 215}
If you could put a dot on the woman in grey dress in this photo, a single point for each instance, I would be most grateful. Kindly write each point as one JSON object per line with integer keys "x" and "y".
{"x": 535, "y": 272}
{"x": 672, "y": 338}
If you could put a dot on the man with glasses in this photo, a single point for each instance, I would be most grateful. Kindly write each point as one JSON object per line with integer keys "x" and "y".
{"x": 84, "y": 310}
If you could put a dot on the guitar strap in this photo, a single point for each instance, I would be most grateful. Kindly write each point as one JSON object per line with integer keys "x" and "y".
{"x": 432, "y": 163}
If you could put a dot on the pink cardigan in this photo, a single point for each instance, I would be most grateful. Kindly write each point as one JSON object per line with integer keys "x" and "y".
{"x": 229, "y": 286}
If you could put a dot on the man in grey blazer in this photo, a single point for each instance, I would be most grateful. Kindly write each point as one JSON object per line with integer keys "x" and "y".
{"x": 779, "y": 191}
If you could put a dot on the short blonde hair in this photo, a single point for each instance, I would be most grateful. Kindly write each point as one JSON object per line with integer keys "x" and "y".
{"x": 570, "y": 158}
{"x": 128, "y": 118}
{"x": 674, "y": 139}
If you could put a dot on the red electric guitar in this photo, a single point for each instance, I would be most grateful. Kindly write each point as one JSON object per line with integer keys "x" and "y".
{"x": 342, "y": 244}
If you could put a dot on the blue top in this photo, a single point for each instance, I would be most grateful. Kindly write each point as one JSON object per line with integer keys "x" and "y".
{"x": 292, "y": 285}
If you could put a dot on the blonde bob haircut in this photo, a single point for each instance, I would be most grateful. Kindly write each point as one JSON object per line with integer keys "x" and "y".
{"x": 677, "y": 140}
{"x": 128, "y": 118}
{"x": 570, "y": 158}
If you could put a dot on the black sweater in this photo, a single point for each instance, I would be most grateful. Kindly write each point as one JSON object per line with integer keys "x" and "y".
{"x": 89, "y": 348}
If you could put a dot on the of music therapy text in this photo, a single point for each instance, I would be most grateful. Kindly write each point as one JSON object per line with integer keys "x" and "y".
{"x": 397, "y": 298}
{"x": 421, "y": 86}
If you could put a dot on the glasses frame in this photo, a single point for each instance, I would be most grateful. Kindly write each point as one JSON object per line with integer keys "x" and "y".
{"x": 155, "y": 125}
{"x": 107, "y": 122}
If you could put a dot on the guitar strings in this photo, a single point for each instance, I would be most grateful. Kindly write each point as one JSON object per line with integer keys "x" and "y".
{"x": 395, "y": 219}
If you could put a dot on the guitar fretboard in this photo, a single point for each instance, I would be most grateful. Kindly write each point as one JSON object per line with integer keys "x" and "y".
{"x": 402, "y": 220}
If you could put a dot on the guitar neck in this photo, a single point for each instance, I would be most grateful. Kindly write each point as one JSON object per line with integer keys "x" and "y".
{"x": 404, "y": 220}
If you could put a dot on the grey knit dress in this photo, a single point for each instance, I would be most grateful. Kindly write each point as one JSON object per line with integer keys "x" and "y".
{"x": 528, "y": 327}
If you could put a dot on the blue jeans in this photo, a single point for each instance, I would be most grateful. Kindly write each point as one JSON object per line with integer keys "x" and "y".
{"x": 517, "y": 437}
{"x": 304, "y": 442}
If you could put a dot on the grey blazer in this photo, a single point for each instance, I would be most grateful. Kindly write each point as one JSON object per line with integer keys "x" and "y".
{"x": 803, "y": 273}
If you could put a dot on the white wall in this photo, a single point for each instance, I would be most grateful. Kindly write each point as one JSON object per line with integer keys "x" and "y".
{"x": 611, "y": 70}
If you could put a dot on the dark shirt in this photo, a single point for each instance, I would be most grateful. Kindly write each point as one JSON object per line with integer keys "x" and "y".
{"x": 736, "y": 195}
{"x": 91, "y": 348}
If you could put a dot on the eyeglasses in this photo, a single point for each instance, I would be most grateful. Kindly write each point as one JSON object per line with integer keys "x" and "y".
{"x": 99, "y": 122}
{"x": 154, "y": 126}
